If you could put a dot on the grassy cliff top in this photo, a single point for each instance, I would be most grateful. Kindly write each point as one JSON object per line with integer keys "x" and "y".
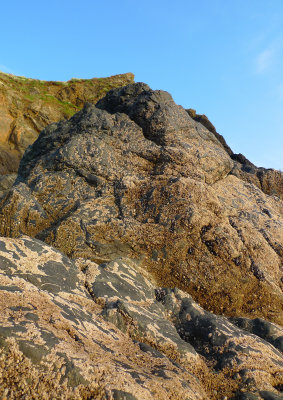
{"x": 68, "y": 96}
{"x": 28, "y": 105}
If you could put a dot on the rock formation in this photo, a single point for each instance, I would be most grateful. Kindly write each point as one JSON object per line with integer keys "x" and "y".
{"x": 78, "y": 330}
{"x": 28, "y": 105}
{"x": 268, "y": 180}
{"x": 164, "y": 278}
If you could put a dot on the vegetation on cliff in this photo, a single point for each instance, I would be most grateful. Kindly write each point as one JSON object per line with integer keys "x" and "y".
{"x": 28, "y": 105}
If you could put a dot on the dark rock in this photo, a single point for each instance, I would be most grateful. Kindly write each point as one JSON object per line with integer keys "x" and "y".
{"x": 185, "y": 330}
{"x": 249, "y": 396}
{"x": 121, "y": 395}
{"x": 272, "y": 333}
{"x": 266, "y": 395}
{"x": 148, "y": 349}
{"x": 141, "y": 197}
{"x": 29, "y": 105}
{"x": 202, "y": 119}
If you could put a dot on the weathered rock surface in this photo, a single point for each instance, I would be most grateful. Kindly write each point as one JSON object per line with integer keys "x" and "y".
{"x": 136, "y": 177}
{"x": 54, "y": 342}
{"x": 270, "y": 181}
{"x": 28, "y": 105}
{"x": 6, "y": 182}
{"x": 79, "y": 330}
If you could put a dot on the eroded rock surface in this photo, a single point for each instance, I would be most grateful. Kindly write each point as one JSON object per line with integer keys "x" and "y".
{"x": 136, "y": 177}
{"x": 79, "y": 330}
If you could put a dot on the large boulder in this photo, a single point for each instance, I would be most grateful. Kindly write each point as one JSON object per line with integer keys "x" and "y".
{"x": 135, "y": 176}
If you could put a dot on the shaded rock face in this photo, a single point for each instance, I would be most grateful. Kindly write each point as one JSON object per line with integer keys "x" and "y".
{"x": 6, "y": 182}
{"x": 269, "y": 181}
{"x": 135, "y": 176}
{"x": 80, "y": 330}
{"x": 29, "y": 105}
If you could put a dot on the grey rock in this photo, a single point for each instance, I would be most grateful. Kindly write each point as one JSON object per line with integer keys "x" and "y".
{"x": 272, "y": 333}
{"x": 267, "y": 395}
{"x": 181, "y": 322}
{"x": 129, "y": 303}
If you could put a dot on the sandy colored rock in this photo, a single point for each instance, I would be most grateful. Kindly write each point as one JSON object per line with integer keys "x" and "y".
{"x": 6, "y": 182}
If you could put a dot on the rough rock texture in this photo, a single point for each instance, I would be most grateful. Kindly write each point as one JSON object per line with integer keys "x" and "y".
{"x": 79, "y": 330}
{"x": 52, "y": 333}
{"x": 6, "y": 182}
{"x": 136, "y": 177}
{"x": 28, "y": 105}
{"x": 201, "y": 118}
{"x": 269, "y": 180}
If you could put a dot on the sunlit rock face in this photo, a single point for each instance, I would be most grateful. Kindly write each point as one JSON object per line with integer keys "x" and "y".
{"x": 29, "y": 105}
{"x": 135, "y": 176}
{"x": 269, "y": 180}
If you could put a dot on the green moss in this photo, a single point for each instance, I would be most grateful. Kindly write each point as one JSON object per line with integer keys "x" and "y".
{"x": 69, "y": 109}
{"x": 29, "y": 90}
{"x": 66, "y": 107}
{"x": 31, "y": 97}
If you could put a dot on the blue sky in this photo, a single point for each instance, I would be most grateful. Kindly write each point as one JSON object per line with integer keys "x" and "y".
{"x": 223, "y": 58}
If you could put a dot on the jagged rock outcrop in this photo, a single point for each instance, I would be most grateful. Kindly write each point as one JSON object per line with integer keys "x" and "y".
{"x": 136, "y": 177}
{"x": 29, "y": 105}
{"x": 79, "y": 330}
{"x": 270, "y": 181}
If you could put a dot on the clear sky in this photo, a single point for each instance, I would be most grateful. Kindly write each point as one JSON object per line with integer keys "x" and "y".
{"x": 223, "y": 58}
